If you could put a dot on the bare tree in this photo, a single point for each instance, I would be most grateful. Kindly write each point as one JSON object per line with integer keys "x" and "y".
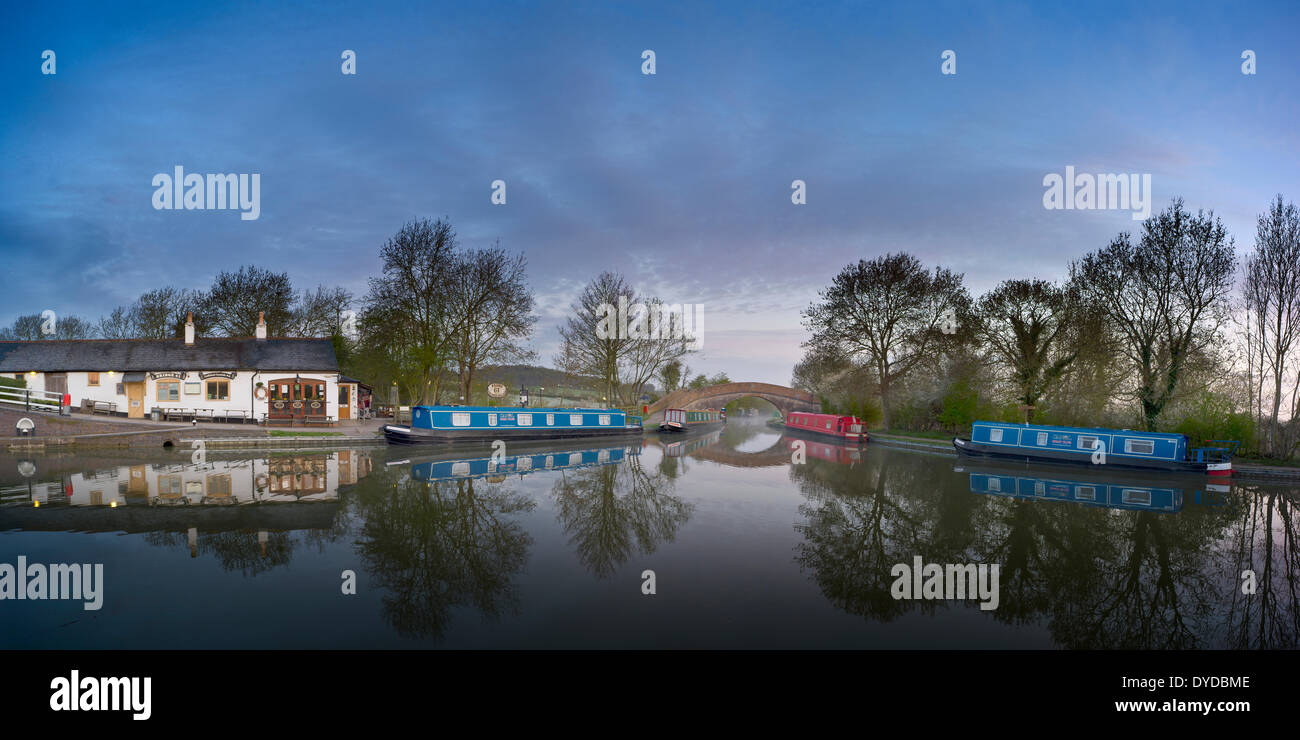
{"x": 492, "y": 312}
{"x": 1272, "y": 296}
{"x": 236, "y": 299}
{"x": 1165, "y": 297}
{"x": 1028, "y": 327}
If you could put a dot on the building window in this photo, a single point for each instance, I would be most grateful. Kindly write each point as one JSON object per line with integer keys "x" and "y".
{"x": 995, "y": 435}
{"x": 1140, "y": 446}
{"x": 460, "y": 419}
{"x": 218, "y": 390}
{"x": 218, "y": 485}
{"x": 92, "y": 379}
{"x": 169, "y": 390}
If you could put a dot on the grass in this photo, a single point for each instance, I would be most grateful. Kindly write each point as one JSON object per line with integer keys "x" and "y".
{"x": 285, "y": 433}
{"x": 944, "y": 436}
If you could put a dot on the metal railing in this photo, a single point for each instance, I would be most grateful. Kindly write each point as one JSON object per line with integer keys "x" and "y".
{"x": 31, "y": 400}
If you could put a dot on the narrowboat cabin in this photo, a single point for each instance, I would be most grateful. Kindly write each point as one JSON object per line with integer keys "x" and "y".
{"x": 677, "y": 421}
{"x": 487, "y": 466}
{"x": 1131, "y": 496}
{"x": 442, "y": 424}
{"x": 1117, "y": 448}
{"x": 844, "y": 428}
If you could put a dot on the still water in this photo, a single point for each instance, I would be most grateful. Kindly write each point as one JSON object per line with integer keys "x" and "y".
{"x": 546, "y": 548}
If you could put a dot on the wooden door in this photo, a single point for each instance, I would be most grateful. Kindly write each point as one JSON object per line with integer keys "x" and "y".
{"x": 345, "y": 401}
{"x": 135, "y": 400}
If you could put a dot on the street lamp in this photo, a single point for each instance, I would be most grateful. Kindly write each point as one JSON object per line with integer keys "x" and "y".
{"x": 523, "y": 396}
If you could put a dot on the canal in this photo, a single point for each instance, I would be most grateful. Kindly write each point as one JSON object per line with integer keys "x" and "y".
{"x": 754, "y": 541}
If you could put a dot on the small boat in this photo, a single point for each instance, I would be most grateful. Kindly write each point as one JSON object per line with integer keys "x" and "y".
{"x": 844, "y": 428}
{"x": 1118, "y": 448}
{"x": 678, "y": 421}
{"x": 444, "y": 424}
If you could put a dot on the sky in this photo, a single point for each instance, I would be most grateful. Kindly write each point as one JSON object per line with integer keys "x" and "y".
{"x": 681, "y": 180}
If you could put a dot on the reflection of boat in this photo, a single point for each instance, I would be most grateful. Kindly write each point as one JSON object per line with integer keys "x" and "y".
{"x": 1129, "y": 491}
{"x": 1109, "y": 448}
{"x": 495, "y": 468}
{"x": 442, "y": 424}
{"x": 687, "y": 446}
{"x": 842, "y": 454}
{"x": 677, "y": 421}
{"x": 776, "y": 422}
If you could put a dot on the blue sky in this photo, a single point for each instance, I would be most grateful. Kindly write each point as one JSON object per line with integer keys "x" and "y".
{"x": 680, "y": 180}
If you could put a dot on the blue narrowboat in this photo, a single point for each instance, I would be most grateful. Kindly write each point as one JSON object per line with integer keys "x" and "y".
{"x": 1131, "y": 496}
{"x": 442, "y": 424}
{"x": 1117, "y": 448}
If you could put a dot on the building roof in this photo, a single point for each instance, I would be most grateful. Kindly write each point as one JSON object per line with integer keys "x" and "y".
{"x": 161, "y": 355}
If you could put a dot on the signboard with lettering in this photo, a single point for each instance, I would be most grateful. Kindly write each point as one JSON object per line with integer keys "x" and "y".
{"x": 497, "y": 390}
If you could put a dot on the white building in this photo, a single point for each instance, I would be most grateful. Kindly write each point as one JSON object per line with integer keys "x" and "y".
{"x": 283, "y": 380}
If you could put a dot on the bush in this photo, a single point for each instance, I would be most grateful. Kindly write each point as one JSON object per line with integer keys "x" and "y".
{"x": 1213, "y": 417}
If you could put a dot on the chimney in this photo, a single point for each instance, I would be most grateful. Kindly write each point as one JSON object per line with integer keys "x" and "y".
{"x": 189, "y": 329}
{"x": 261, "y": 325}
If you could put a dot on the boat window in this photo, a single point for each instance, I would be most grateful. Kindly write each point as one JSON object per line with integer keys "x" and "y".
{"x": 995, "y": 484}
{"x": 602, "y": 456}
{"x": 524, "y": 463}
{"x": 1140, "y": 446}
{"x": 828, "y": 425}
{"x": 1042, "y": 438}
{"x": 492, "y": 420}
{"x": 575, "y": 420}
{"x": 550, "y": 420}
{"x": 460, "y": 419}
{"x": 550, "y": 461}
{"x": 1087, "y": 442}
{"x": 1087, "y": 493}
{"x": 604, "y": 419}
{"x": 1040, "y": 488}
{"x": 460, "y": 468}
{"x": 1137, "y": 496}
{"x": 524, "y": 420}
{"x": 995, "y": 435}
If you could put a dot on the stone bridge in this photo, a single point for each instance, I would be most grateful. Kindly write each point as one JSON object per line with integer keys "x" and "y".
{"x": 717, "y": 396}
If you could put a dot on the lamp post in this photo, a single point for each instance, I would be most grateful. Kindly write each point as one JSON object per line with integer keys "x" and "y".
{"x": 523, "y": 396}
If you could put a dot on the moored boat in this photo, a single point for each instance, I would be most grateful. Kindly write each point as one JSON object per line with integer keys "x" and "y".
{"x": 677, "y": 421}
{"x": 1118, "y": 448}
{"x": 443, "y": 424}
{"x": 845, "y": 428}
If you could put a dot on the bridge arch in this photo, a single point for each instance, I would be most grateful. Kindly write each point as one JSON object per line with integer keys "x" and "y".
{"x": 717, "y": 396}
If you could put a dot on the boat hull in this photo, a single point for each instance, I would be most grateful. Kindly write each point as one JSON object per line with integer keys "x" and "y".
{"x": 843, "y": 437}
{"x": 673, "y": 427}
{"x": 979, "y": 450}
{"x": 400, "y": 435}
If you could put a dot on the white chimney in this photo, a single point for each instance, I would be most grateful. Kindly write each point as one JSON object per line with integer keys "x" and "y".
{"x": 189, "y": 328}
{"x": 261, "y": 325}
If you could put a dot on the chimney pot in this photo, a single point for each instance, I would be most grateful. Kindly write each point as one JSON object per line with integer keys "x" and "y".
{"x": 189, "y": 328}
{"x": 261, "y": 325}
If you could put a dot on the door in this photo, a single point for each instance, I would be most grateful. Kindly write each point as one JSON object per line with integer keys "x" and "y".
{"x": 135, "y": 400}
{"x": 296, "y": 398}
{"x": 345, "y": 401}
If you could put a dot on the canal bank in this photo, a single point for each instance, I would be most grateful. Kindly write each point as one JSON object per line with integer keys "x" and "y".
{"x": 1240, "y": 471}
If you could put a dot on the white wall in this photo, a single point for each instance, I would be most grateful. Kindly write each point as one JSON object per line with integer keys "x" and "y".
{"x": 241, "y": 391}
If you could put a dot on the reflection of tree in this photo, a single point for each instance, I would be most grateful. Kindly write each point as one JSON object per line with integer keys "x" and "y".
{"x": 610, "y": 510}
{"x": 1098, "y": 577}
{"x": 240, "y": 550}
{"x": 1264, "y": 540}
{"x": 438, "y": 545}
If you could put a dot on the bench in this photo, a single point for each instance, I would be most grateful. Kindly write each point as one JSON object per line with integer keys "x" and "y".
{"x": 203, "y": 414}
{"x": 103, "y": 407}
{"x": 322, "y": 420}
{"x": 234, "y": 415}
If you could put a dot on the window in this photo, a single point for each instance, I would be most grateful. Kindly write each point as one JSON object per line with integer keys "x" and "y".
{"x": 1040, "y": 488}
{"x": 169, "y": 485}
{"x": 550, "y": 420}
{"x": 492, "y": 420}
{"x": 575, "y": 420}
{"x": 219, "y": 485}
{"x": 525, "y": 420}
{"x": 92, "y": 379}
{"x": 1087, "y": 442}
{"x": 460, "y": 419}
{"x": 1137, "y": 497}
{"x": 995, "y": 435}
{"x": 524, "y": 463}
{"x": 169, "y": 390}
{"x": 460, "y": 468}
{"x": 218, "y": 390}
{"x": 1140, "y": 446}
{"x": 604, "y": 420}
{"x": 995, "y": 484}
{"x": 1086, "y": 493}
{"x": 1042, "y": 438}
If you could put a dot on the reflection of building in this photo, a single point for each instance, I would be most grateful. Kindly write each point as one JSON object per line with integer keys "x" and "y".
{"x": 302, "y": 477}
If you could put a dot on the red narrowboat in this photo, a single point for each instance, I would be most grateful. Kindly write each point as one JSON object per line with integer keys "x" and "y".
{"x": 848, "y": 428}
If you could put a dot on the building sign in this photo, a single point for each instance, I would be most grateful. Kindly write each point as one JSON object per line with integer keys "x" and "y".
{"x": 497, "y": 390}
{"x": 228, "y": 376}
{"x": 177, "y": 376}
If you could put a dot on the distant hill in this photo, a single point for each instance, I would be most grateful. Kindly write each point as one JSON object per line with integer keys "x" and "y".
{"x": 514, "y": 376}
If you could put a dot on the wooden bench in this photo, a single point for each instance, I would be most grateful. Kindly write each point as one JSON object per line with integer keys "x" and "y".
{"x": 321, "y": 420}
{"x": 203, "y": 414}
{"x": 235, "y": 415}
{"x": 103, "y": 407}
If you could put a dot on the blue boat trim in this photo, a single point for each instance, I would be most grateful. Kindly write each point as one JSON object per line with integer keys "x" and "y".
{"x": 1124, "y": 448}
{"x": 432, "y": 424}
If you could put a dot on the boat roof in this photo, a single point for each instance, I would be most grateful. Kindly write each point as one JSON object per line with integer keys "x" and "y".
{"x": 524, "y": 409}
{"x": 1099, "y": 430}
